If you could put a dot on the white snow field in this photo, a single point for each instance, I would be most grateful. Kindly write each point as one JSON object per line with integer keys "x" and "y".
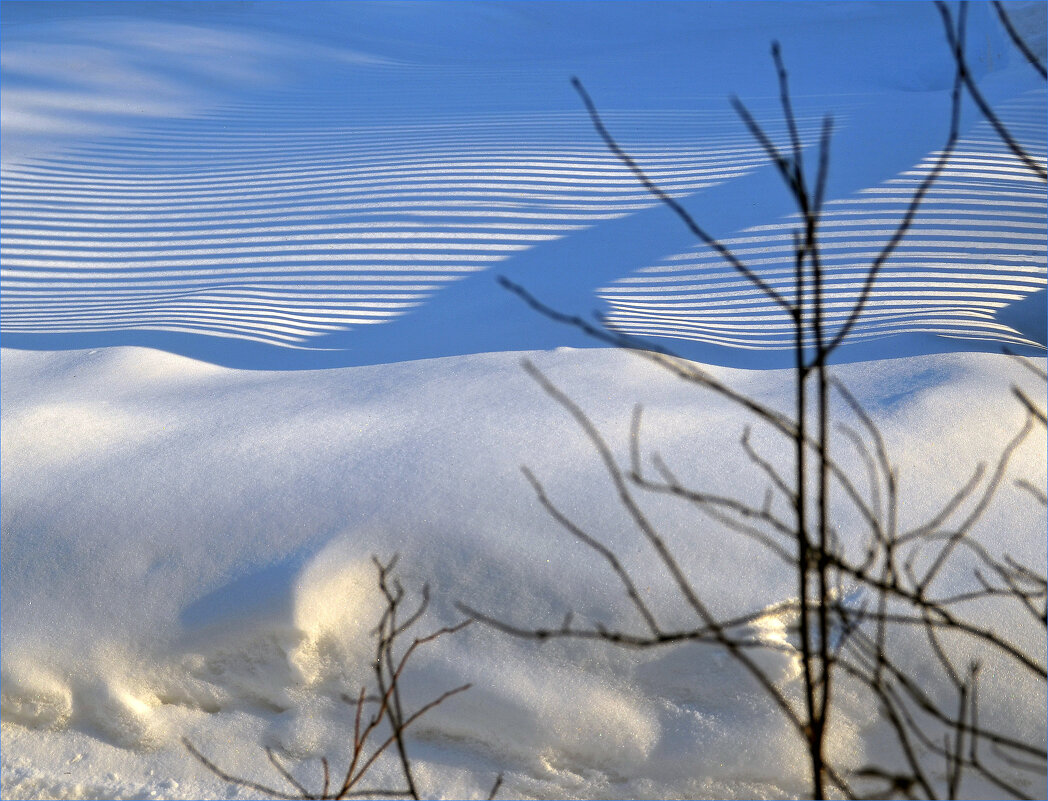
{"x": 253, "y": 335}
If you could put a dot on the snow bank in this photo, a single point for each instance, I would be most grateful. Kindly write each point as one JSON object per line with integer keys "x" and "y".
{"x": 199, "y": 564}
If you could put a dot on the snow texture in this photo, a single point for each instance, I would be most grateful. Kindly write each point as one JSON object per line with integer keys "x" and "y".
{"x": 253, "y": 335}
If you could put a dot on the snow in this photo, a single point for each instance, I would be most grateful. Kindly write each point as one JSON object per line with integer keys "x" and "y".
{"x": 253, "y": 337}
{"x": 190, "y": 568}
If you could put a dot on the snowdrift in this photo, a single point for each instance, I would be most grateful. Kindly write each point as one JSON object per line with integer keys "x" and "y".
{"x": 253, "y": 336}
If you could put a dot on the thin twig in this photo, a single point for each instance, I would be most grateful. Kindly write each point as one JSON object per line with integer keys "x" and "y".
{"x": 1018, "y": 40}
{"x": 677, "y": 208}
{"x": 956, "y": 41}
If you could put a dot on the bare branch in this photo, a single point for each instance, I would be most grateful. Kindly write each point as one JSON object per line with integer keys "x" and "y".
{"x": 211, "y": 766}
{"x": 1036, "y": 412}
{"x": 388, "y": 670}
{"x": 956, "y": 40}
{"x": 276, "y": 763}
{"x": 1018, "y": 40}
{"x": 915, "y": 202}
{"x": 980, "y": 506}
{"x": 639, "y": 518}
{"x": 607, "y": 553}
{"x": 828, "y": 631}
{"x": 1038, "y": 494}
{"x": 495, "y": 788}
{"x": 678, "y": 209}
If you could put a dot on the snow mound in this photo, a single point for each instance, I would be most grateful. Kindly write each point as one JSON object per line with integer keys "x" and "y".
{"x": 206, "y": 572}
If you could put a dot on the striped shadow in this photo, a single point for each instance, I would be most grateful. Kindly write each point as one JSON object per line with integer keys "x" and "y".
{"x": 277, "y": 236}
{"x": 977, "y": 246}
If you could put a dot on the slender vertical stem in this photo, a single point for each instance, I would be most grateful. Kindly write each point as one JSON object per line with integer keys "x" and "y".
{"x": 824, "y": 589}
{"x": 800, "y": 504}
{"x": 816, "y": 671}
{"x": 824, "y": 677}
{"x": 394, "y": 710}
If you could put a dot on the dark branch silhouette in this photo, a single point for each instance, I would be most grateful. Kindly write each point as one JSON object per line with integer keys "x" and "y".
{"x": 379, "y": 719}
{"x": 955, "y": 37}
{"x": 854, "y": 600}
{"x": 1017, "y": 40}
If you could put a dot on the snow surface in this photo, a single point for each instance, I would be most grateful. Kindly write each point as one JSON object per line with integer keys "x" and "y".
{"x": 252, "y": 337}
{"x": 354, "y": 204}
{"x": 186, "y": 550}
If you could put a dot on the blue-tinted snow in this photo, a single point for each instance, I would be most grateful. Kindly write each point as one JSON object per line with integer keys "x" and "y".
{"x": 290, "y": 186}
{"x": 186, "y": 547}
